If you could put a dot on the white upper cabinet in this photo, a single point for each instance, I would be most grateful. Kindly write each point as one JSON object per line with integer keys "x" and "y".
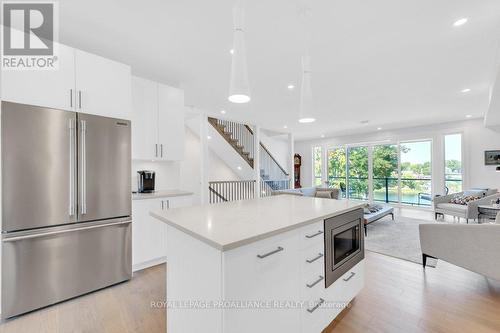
{"x": 157, "y": 121}
{"x": 103, "y": 86}
{"x": 171, "y": 133}
{"x": 83, "y": 82}
{"x": 47, "y": 88}
{"x": 144, "y": 119}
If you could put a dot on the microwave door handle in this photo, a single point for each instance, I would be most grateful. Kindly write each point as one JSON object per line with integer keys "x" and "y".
{"x": 83, "y": 175}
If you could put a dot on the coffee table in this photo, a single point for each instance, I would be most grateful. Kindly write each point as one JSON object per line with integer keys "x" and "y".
{"x": 372, "y": 217}
{"x": 488, "y": 212}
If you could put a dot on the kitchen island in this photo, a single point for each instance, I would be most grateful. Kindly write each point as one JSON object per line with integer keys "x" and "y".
{"x": 255, "y": 266}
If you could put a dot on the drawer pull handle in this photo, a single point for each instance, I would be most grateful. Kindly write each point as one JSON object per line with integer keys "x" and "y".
{"x": 321, "y": 301}
{"x": 315, "y": 282}
{"x": 314, "y": 235}
{"x": 350, "y": 277}
{"x": 310, "y": 261}
{"x": 262, "y": 256}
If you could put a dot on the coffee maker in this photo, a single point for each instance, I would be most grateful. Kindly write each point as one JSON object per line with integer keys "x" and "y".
{"x": 145, "y": 181}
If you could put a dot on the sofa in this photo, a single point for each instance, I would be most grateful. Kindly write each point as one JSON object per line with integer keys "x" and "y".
{"x": 443, "y": 205}
{"x": 318, "y": 192}
{"x": 474, "y": 247}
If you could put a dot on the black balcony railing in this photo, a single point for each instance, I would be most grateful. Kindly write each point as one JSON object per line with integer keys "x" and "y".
{"x": 414, "y": 191}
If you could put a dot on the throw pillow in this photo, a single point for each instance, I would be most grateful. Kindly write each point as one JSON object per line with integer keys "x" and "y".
{"x": 323, "y": 194}
{"x": 464, "y": 199}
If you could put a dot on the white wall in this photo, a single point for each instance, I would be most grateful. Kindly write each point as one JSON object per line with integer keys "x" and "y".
{"x": 278, "y": 146}
{"x": 167, "y": 174}
{"x": 476, "y": 139}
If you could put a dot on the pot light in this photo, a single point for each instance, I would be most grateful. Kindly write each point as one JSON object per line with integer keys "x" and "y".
{"x": 239, "y": 168}
{"x": 239, "y": 98}
{"x": 379, "y": 128}
{"x": 322, "y": 135}
{"x": 285, "y": 127}
{"x": 231, "y": 51}
{"x": 209, "y": 137}
{"x": 306, "y": 120}
{"x": 460, "y": 22}
{"x": 466, "y": 90}
{"x": 290, "y": 87}
{"x": 468, "y": 116}
{"x": 223, "y": 111}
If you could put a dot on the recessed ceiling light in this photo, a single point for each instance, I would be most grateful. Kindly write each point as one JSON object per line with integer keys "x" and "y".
{"x": 466, "y": 90}
{"x": 379, "y": 128}
{"x": 231, "y": 51}
{"x": 239, "y": 168}
{"x": 291, "y": 87}
{"x": 322, "y": 135}
{"x": 223, "y": 111}
{"x": 285, "y": 127}
{"x": 468, "y": 116}
{"x": 209, "y": 137}
{"x": 460, "y": 22}
{"x": 306, "y": 120}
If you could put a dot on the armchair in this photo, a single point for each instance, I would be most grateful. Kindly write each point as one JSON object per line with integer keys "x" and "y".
{"x": 473, "y": 247}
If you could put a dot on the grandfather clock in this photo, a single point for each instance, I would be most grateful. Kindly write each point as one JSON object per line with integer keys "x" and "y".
{"x": 297, "y": 162}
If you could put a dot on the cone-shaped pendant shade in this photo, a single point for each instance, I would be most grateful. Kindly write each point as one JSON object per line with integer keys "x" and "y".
{"x": 239, "y": 88}
{"x": 306, "y": 99}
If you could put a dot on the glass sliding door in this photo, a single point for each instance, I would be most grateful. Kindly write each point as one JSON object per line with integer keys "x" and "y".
{"x": 416, "y": 179}
{"x": 385, "y": 173}
{"x": 357, "y": 172}
{"x": 317, "y": 166}
{"x": 453, "y": 163}
{"x": 337, "y": 164}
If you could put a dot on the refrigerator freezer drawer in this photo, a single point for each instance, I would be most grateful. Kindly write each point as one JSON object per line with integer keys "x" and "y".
{"x": 45, "y": 267}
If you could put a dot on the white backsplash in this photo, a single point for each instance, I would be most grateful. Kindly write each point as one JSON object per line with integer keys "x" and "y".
{"x": 167, "y": 174}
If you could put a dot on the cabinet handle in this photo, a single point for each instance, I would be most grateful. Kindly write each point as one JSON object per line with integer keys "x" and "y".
{"x": 310, "y": 261}
{"x": 350, "y": 277}
{"x": 321, "y": 301}
{"x": 314, "y": 235}
{"x": 162, "y": 205}
{"x": 156, "y": 150}
{"x": 315, "y": 282}
{"x": 71, "y": 98}
{"x": 79, "y": 99}
{"x": 168, "y": 204}
{"x": 262, "y": 256}
{"x": 161, "y": 150}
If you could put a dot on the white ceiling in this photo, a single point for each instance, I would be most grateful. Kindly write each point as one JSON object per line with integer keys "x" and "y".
{"x": 395, "y": 63}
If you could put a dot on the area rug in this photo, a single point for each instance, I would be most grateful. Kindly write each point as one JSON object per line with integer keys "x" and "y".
{"x": 399, "y": 238}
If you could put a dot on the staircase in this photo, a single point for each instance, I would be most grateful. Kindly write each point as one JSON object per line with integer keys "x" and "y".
{"x": 239, "y": 136}
{"x": 273, "y": 176}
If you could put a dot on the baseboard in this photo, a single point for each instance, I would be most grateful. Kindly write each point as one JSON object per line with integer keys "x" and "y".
{"x": 150, "y": 263}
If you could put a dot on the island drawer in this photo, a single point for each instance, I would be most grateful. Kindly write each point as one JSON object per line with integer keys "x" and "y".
{"x": 348, "y": 285}
{"x": 312, "y": 235}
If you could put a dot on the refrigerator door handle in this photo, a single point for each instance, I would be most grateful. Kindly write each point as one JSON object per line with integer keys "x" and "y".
{"x": 83, "y": 172}
{"x": 58, "y": 232}
{"x": 72, "y": 168}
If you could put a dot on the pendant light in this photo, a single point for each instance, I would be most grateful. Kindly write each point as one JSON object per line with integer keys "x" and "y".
{"x": 306, "y": 113}
{"x": 239, "y": 87}
{"x": 306, "y": 98}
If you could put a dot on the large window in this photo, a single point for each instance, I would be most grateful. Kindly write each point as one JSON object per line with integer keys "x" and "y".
{"x": 385, "y": 173}
{"x": 453, "y": 162}
{"x": 357, "y": 171}
{"x": 337, "y": 169}
{"x": 416, "y": 188}
{"x": 317, "y": 165}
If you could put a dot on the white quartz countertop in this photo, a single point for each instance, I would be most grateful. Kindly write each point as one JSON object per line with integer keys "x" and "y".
{"x": 229, "y": 225}
{"x": 160, "y": 194}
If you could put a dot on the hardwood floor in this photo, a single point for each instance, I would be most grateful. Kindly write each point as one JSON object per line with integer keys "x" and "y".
{"x": 399, "y": 296}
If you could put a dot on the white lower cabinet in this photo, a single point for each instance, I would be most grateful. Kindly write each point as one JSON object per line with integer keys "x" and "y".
{"x": 149, "y": 235}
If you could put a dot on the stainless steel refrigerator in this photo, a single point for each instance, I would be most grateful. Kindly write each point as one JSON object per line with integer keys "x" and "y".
{"x": 66, "y": 205}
